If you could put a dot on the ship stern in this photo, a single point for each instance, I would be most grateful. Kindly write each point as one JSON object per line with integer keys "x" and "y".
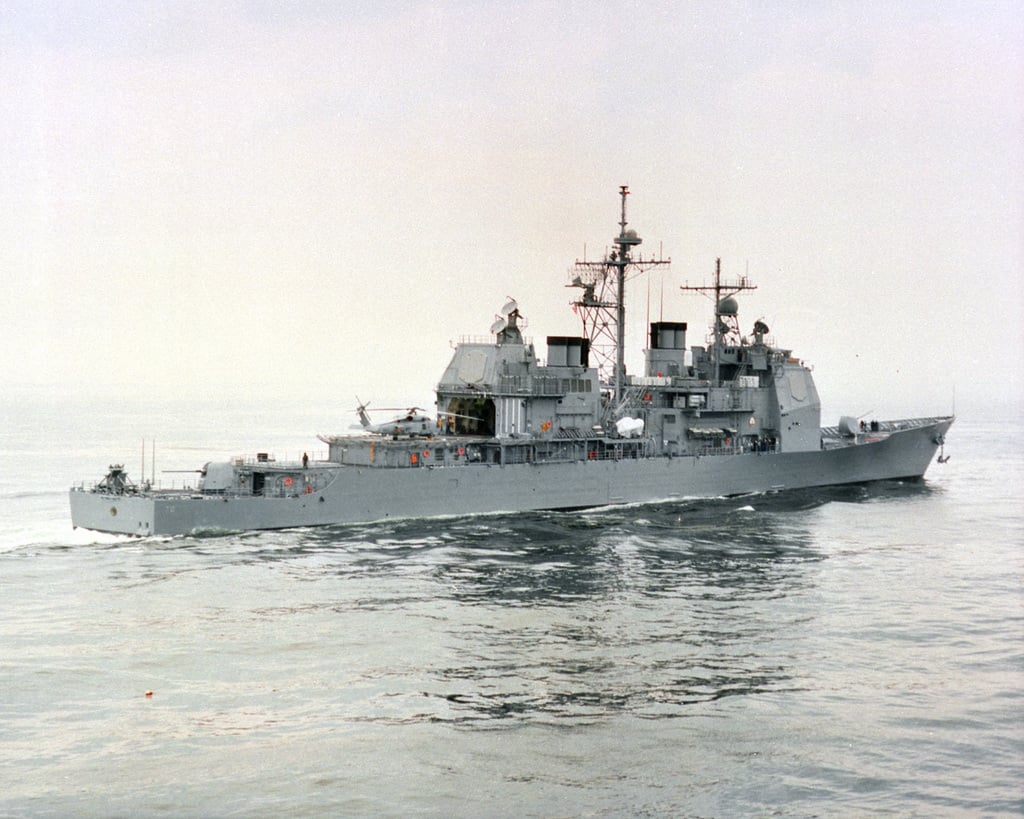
{"x": 119, "y": 514}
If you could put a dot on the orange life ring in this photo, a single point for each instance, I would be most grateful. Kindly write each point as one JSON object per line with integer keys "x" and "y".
{"x": 426, "y": 453}
{"x": 288, "y": 481}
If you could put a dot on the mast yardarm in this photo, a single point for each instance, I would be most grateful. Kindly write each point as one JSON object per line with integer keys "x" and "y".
{"x": 725, "y": 309}
{"x": 602, "y": 305}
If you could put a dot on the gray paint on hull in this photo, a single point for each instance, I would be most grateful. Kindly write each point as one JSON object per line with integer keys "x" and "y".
{"x": 366, "y": 494}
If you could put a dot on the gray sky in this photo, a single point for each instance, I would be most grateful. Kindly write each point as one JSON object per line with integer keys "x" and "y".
{"x": 316, "y": 197}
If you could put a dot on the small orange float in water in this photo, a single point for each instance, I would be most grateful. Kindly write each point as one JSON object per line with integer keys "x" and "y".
{"x": 149, "y": 693}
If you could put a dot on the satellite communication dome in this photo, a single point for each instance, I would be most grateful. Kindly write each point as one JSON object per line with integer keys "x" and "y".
{"x": 728, "y": 306}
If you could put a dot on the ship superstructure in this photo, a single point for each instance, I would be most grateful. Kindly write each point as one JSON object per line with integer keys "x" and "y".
{"x": 514, "y": 432}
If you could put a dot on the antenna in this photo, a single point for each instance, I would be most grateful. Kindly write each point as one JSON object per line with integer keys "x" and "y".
{"x": 499, "y": 325}
{"x": 602, "y": 306}
{"x": 648, "y": 323}
{"x": 725, "y": 313}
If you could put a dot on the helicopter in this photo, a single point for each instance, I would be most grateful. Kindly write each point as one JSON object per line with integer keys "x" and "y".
{"x": 412, "y": 423}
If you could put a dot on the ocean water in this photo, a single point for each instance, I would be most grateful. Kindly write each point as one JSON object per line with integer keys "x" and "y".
{"x": 852, "y": 651}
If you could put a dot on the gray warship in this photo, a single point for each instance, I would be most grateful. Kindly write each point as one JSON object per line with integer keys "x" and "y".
{"x": 734, "y": 416}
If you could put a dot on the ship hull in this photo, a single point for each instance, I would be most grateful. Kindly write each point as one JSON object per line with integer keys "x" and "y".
{"x": 366, "y": 494}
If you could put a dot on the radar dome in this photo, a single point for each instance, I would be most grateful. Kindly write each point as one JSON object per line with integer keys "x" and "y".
{"x": 728, "y": 307}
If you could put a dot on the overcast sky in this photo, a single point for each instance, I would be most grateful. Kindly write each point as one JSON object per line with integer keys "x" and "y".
{"x": 317, "y": 197}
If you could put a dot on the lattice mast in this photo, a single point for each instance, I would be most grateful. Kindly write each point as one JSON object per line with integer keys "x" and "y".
{"x": 602, "y": 305}
{"x": 726, "y": 325}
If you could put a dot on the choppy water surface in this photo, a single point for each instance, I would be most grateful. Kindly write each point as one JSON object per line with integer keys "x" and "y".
{"x": 845, "y": 651}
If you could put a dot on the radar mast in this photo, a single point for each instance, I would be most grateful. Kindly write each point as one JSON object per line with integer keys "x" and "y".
{"x": 725, "y": 308}
{"x": 602, "y": 305}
